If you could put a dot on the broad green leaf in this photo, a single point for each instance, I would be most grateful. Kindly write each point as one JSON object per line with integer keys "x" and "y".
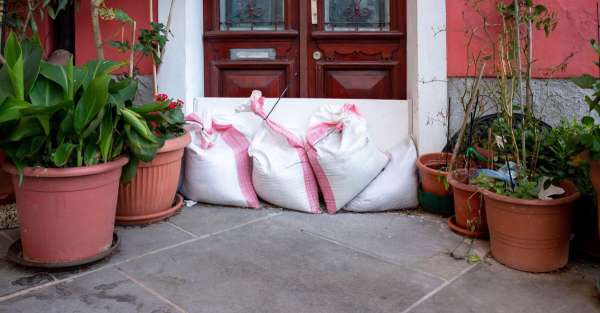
{"x": 138, "y": 124}
{"x": 6, "y": 89}
{"x": 45, "y": 93}
{"x": 97, "y": 68}
{"x": 150, "y": 107}
{"x": 27, "y": 127}
{"x": 173, "y": 117}
{"x": 61, "y": 156}
{"x": 15, "y": 66}
{"x": 29, "y": 147}
{"x": 129, "y": 171}
{"x": 140, "y": 147}
{"x": 117, "y": 148}
{"x": 57, "y": 74}
{"x": 94, "y": 124}
{"x": 10, "y": 110}
{"x": 94, "y": 98}
{"x": 79, "y": 75}
{"x": 32, "y": 56}
{"x": 90, "y": 154}
{"x": 106, "y": 137}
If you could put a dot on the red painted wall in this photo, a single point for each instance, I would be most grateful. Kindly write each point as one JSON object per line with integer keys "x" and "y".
{"x": 139, "y": 10}
{"x": 576, "y": 26}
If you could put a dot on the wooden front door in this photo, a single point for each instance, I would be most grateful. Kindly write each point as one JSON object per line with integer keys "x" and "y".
{"x": 315, "y": 48}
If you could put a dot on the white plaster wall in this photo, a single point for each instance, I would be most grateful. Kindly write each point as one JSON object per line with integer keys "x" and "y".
{"x": 427, "y": 72}
{"x": 181, "y": 74}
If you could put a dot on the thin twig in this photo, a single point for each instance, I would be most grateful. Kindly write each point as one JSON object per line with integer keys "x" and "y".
{"x": 162, "y": 49}
{"x": 520, "y": 76}
{"x": 132, "y": 55}
{"x": 461, "y": 133}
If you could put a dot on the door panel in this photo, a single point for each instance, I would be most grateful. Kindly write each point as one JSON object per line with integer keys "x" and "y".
{"x": 332, "y": 48}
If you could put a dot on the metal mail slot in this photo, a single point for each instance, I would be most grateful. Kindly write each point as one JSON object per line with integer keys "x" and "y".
{"x": 253, "y": 54}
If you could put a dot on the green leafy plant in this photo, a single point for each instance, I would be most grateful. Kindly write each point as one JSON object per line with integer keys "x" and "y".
{"x": 591, "y": 139}
{"x": 67, "y": 116}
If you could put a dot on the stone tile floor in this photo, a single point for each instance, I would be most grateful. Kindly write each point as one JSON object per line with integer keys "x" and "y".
{"x": 213, "y": 259}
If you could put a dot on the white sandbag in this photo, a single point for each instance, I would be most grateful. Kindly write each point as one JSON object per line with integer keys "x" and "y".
{"x": 217, "y": 167}
{"x": 281, "y": 172}
{"x": 345, "y": 161}
{"x": 395, "y": 188}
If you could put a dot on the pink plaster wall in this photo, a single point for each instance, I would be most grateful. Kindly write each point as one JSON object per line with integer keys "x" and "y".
{"x": 577, "y": 25}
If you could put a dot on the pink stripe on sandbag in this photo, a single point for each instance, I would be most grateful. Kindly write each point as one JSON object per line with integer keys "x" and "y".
{"x": 312, "y": 191}
{"x": 328, "y": 195}
{"x": 239, "y": 144}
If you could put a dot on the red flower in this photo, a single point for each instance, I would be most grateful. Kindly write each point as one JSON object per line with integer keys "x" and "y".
{"x": 161, "y": 97}
{"x": 153, "y": 123}
{"x": 173, "y": 105}
{"x": 152, "y": 113}
{"x": 179, "y": 102}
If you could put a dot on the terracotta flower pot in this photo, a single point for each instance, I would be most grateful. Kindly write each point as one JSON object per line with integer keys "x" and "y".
{"x": 432, "y": 170}
{"x": 470, "y": 217}
{"x": 67, "y": 214}
{"x": 530, "y": 235}
{"x": 6, "y": 187}
{"x": 150, "y": 195}
{"x": 595, "y": 176}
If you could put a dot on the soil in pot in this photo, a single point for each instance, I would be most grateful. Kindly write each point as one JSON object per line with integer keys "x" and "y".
{"x": 531, "y": 235}
{"x": 470, "y": 217}
{"x": 67, "y": 214}
{"x": 6, "y": 187}
{"x": 150, "y": 196}
{"x": 433, "y": 173}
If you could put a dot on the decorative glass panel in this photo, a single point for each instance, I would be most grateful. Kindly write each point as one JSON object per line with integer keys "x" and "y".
{"x": 357, "y": 15}
{"x": 253, "y": 54}
{"x": 246, "y": 15}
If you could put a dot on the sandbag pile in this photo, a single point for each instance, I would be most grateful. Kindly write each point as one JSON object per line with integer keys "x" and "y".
{"x": 218, "y": 169}
{"x": 279, "y": 166}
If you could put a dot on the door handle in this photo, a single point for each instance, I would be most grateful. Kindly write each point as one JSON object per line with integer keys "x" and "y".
{"x": 314, "y": 12}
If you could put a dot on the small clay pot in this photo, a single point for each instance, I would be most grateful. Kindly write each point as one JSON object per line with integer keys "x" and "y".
{"x": 595, "y": 176}
{"x": 531, "y": 235}
{"x": 150, "y": 196}
{"x": 432, "y": 170}
{"x": 470, "y": 218}
{"x": 67, "y": 215}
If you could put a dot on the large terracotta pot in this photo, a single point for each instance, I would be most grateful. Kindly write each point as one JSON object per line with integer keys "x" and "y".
{"x": 432, "y": 170}
{"x": 470, "y": 218}
{"x": 595, "y": 176}
{"x": 6, "y": 187}
{"x": 150, "y": 196}
{"x": 530, "y": 235}
{"x": 67, "y": 214}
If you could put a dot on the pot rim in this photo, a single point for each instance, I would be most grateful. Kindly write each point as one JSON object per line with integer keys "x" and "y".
{"x": 48, "y": 172}
{"x": 536, "y": 202}
{"x": 430, "y": 170}
{"x": 176, "y": 143}
{"x": 455, "y": 183}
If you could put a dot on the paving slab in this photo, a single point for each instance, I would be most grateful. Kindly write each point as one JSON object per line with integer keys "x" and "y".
{"x": 269, "y": 267}
{"x": 15, "y": 278}
{"x": 103, "y": 291}
{"x": 493, "y": 288}
{"x": 204, "y": 219}
{"x": 135, "y": 241}
{"x": 412, "y": 240}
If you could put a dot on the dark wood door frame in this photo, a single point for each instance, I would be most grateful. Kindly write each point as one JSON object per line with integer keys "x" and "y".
{"x": 305, "y": 77}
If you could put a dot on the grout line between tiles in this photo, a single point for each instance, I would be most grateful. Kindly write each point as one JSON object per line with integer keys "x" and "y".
{"x": 151, "y": 291}
{"x": 438, "y": 289}
{"x": 183, "y": 229}
{"x": 116, "y": 264}
{"x": 373, "y": 255}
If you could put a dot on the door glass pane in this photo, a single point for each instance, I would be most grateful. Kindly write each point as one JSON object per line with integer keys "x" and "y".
{"x": 357, "y": 15}
{"x": 240, "y": 15}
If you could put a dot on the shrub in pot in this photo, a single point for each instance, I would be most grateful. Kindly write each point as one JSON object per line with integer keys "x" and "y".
{"x": 151, "y": 195}
{"x": 591, "y": 140}
{"x": 67, "y": 132}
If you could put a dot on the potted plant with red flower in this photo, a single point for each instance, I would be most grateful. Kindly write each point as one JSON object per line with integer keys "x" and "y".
{"x": 151, "y": 195}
